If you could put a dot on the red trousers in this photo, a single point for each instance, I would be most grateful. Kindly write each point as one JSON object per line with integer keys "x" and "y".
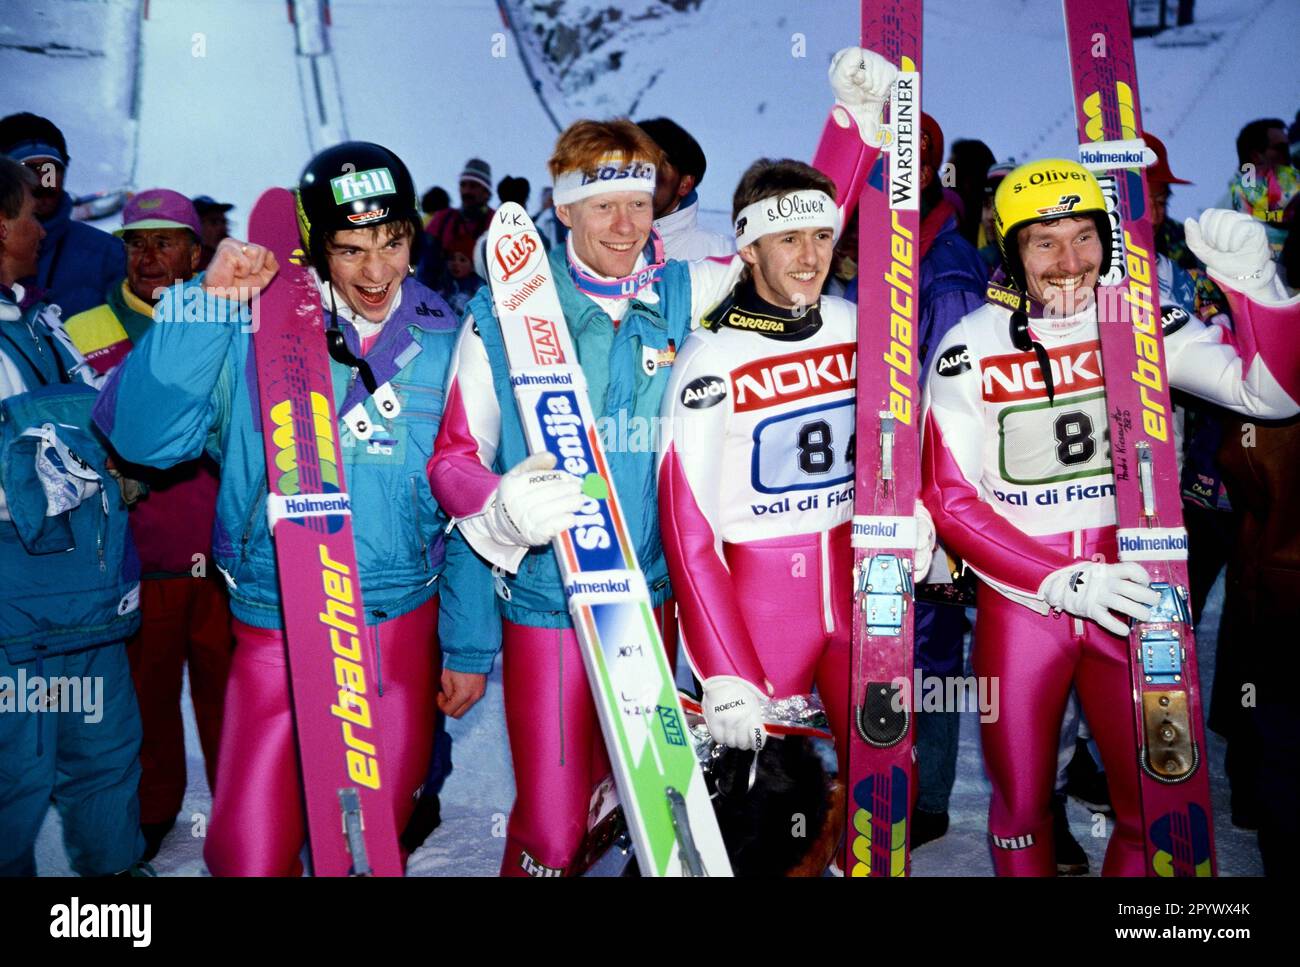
{"x": 258, "y": 824}
{"x": 182, "y": 619}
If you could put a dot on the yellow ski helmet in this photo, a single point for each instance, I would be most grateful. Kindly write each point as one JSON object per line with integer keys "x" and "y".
{"x": 1043, "y": 191}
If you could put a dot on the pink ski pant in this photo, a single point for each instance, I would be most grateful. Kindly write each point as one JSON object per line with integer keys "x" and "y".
{"x": 258, "y": 825}
{"x": 1035, "y": 658}
{"x": 555, "y": 739}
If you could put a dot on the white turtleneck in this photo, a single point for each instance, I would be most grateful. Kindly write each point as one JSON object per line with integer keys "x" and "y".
{"x": 614, "y": 308}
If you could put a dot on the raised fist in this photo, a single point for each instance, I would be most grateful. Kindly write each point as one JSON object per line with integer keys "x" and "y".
{"x": 239, "y": 266}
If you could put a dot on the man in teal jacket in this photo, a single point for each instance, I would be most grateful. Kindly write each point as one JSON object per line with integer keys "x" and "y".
{"x": 69, "y": 726}
{"x": 187, "y": 387}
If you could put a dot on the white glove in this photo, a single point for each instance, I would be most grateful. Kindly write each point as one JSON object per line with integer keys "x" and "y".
{"x": 923, "y": 556}
{"x": 733, "y": 711}
{"x": 1092, "y": 589}
{"x": 533, "y": 503}
{"x": 861, "y": 80}
{"x": 1234, "y": 246}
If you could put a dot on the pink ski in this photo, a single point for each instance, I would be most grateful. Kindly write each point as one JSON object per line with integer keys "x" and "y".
{"x": 1172, "y": 773}
{"x": 340, "y": 748}
{"x": 881, "y": 780}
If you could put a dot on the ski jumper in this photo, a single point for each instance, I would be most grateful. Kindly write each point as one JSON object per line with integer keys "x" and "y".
{"x": 1021, "y": 485}
{"x": 196, "y": 382}
{"x": 627, "y": 349}
{"x": 756, "y": 496}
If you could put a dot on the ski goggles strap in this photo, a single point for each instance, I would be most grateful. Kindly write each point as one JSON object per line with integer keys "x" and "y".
{"x": 629, "y": 285}
{"x": 794, "y": 210}
{"x": 609, "y": 175}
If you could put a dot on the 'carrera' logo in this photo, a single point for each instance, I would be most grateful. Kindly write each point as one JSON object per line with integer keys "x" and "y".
{"x": 545, "y": 341}
{"x": 700, "y": 394}
{"x": 1017, "y": 376}
{"x": 739, "y": 320}
{"x": 953, "y": 362}
{"x": 796, "y": 376}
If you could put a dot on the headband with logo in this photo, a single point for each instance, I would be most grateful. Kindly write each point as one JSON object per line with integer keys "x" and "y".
{"x": 610, "y": 174}
{"x": 807, "y": 208}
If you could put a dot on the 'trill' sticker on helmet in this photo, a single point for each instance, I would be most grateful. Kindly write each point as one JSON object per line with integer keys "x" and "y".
{"x": 356, "y": 185}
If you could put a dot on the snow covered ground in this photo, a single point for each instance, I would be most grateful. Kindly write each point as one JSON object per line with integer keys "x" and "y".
{"x": 207, "y": 96}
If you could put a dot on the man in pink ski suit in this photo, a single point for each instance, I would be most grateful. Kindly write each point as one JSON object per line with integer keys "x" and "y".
{"x": 756, "y": 473}
{"x": 1017, "y": 474}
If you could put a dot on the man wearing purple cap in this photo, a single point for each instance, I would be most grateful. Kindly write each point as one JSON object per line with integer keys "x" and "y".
{"x": 184, "y": 613}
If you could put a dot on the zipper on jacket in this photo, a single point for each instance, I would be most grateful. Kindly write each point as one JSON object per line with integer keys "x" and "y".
{"x": 415, "y": 508}
{"x": 99, "y": 530}
{"x": 248, "y": 522}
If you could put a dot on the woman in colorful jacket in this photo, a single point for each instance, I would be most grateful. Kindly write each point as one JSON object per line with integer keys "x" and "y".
{"x": 196, "y": 382}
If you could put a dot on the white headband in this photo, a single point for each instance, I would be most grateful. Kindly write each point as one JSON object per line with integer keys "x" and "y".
{"x": 808, "y": 208}
{"x": 610, "y": 174}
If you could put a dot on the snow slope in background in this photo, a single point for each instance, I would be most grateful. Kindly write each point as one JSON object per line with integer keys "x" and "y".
{"x": 748, "y": 78}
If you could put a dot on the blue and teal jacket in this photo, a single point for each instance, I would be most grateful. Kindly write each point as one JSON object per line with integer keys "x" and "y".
{"x": 191, "y": 386}
{"x": 69, "y": 581}
{"x": 626, "y": 367}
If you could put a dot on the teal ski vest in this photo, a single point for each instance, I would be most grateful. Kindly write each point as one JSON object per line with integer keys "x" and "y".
{"x": 627, "y": 369}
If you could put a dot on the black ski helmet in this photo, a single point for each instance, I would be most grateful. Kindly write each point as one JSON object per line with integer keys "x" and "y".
{"x": 355, "y": 184}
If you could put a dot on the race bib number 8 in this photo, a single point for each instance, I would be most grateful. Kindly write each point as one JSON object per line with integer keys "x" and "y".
{"x": 804, "y": 450}
{"x": 1041, "y": 444}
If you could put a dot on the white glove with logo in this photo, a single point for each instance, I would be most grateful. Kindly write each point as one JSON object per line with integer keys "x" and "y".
{"x": 1234, "y": 246}
{"x": 861, "y": 80}
{"x": 733, "y": 711}
{"x": 533, "y": 503}
{"x": 925, "y": 541}
{"x": 1092, "y": 589}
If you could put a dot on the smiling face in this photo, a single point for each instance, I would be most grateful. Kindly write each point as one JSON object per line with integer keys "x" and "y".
{"x": 157, "y": 258}
{"x": 1062, "y": 261}
{"x": 789, "y": 268}
{"x": 610, "y": 230}
{"x": 367, "y": 266}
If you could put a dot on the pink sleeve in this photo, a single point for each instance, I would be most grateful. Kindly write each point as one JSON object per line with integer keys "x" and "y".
{"x": 1267, "y": 335}
{"x": 459, "y": 470}
{"x": 714, "y": 633}
{"x": 842, "y": 157}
